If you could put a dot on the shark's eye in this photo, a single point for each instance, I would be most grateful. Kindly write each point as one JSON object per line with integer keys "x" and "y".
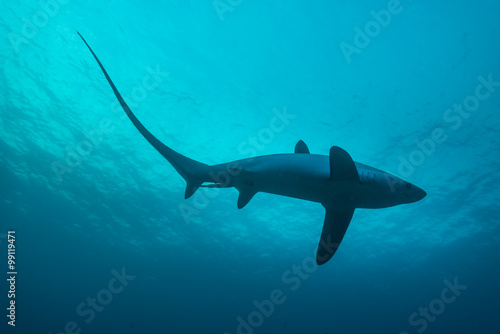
{"x": 408, "y": 186}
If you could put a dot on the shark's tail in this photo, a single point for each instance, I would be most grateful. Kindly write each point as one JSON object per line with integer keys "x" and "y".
{"x": 194, "y": 172}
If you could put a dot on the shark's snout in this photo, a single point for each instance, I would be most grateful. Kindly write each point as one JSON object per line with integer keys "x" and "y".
{"x": 421, "y": 194}
{"x": 414, "y": 194}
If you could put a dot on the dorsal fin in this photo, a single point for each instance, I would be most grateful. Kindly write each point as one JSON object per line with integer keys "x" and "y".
{"x": 301, "y": 147}
{"x": 342, "y": 166}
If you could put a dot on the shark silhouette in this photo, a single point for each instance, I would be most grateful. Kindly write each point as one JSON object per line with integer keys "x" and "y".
{"x": 336, "y": 181}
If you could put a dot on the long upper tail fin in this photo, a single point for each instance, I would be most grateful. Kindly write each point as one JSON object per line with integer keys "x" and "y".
{"x": 194, "y": 172}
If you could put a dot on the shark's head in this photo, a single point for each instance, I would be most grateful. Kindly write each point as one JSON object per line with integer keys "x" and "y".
{"x": 402, "y": 192}
{"x": 411, "y": 193}
{"x": 383, "y": 190}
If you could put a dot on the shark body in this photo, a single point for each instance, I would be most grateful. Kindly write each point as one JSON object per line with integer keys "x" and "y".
{"x": 335, "y": 180}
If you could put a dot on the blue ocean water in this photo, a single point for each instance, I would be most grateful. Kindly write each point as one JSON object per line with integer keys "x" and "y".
{"x": 106, "y": 243}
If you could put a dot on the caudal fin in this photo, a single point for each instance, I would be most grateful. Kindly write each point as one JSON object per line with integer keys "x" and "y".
{"x": 194, "y": 172}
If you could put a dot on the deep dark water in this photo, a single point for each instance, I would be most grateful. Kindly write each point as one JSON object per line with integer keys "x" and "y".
{"x": 102, "y": 245}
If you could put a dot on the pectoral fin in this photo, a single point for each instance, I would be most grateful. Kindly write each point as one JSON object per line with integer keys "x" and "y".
{"x": 342, "y": 166}
{"x": 334, "y": 228}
